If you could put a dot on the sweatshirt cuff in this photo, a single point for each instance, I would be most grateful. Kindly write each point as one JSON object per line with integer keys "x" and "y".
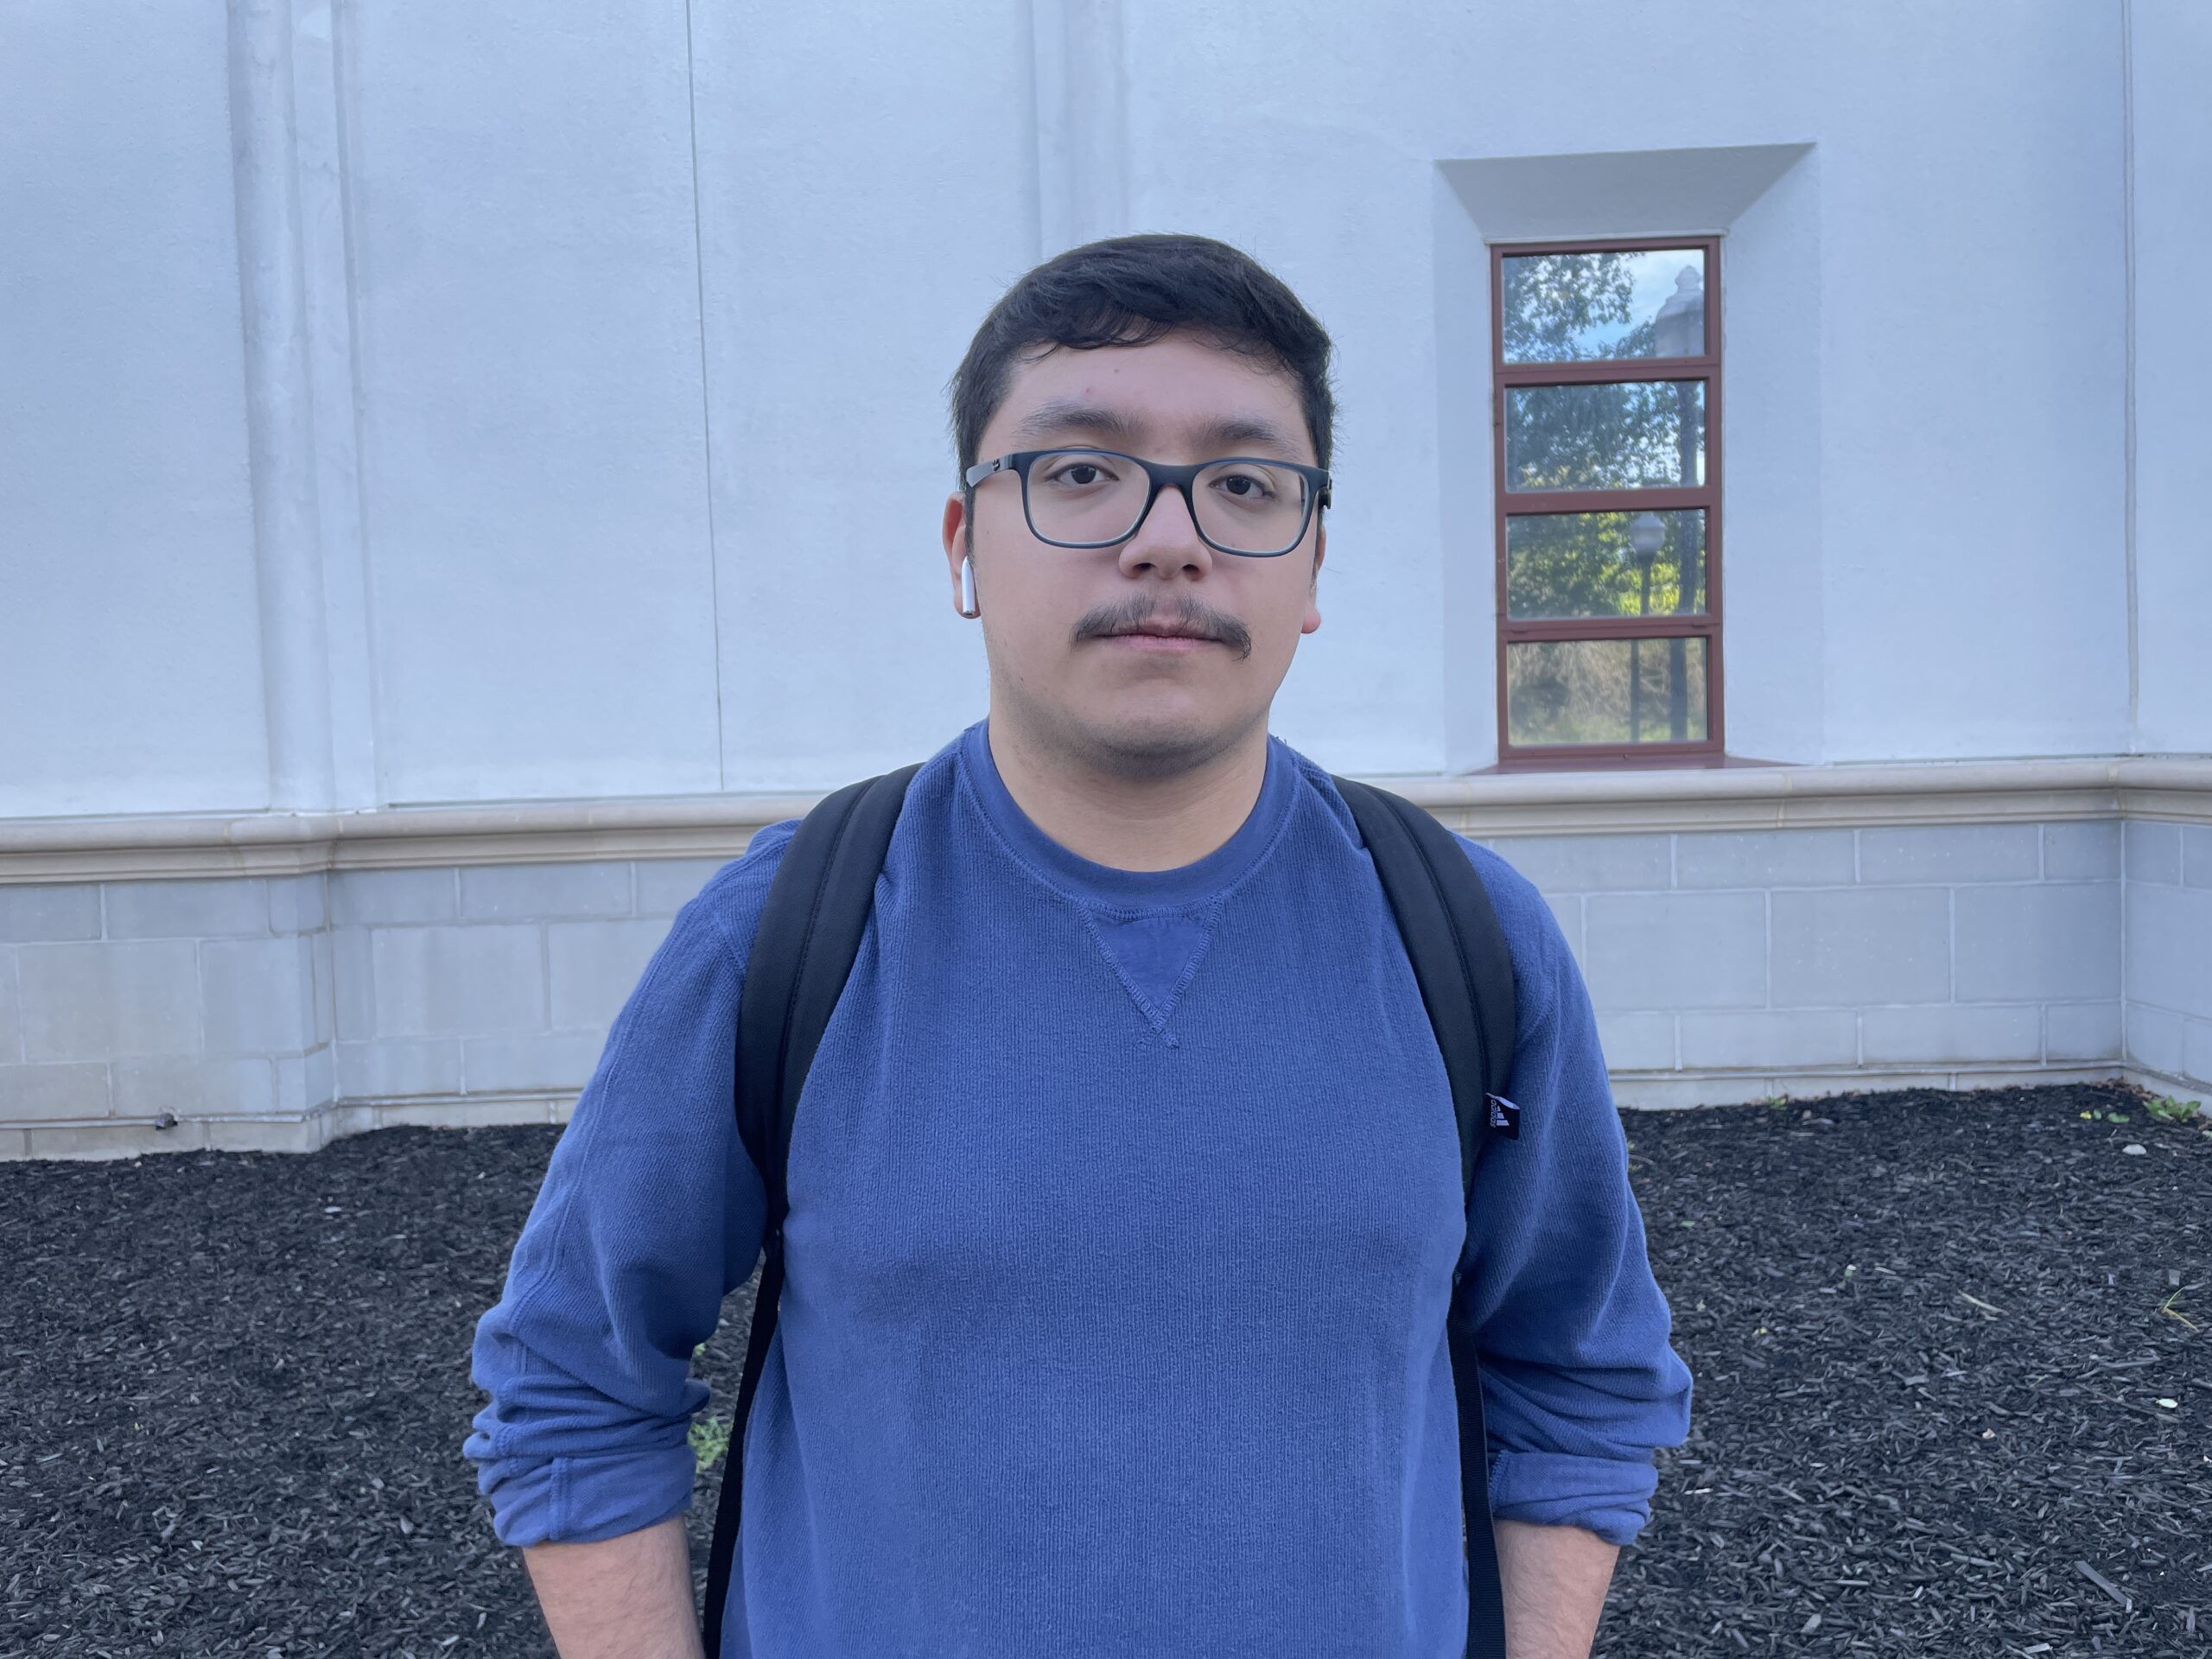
{"x": 584, "y": 1500}
{"x": 1606, "y": 1496}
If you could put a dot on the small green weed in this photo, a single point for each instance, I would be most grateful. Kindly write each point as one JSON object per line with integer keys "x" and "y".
{"x": 709, "y": 1435}
{"x": 710, "y": 1440}
{"x": 2167, "y": 1110}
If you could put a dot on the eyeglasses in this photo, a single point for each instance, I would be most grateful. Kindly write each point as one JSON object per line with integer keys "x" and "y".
{"x": 1244, "y": 505}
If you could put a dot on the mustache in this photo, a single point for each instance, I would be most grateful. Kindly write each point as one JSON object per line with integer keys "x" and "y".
{"x": 1185, "y": 614}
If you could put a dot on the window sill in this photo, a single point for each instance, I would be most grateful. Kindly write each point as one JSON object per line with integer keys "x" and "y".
{"x": 1724, "y": 794}
{"x": 1729, "y": 794}
{"x": 1614, "y": 761}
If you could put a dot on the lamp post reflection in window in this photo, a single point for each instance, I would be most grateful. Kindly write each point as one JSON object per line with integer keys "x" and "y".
{"x": 1646, "y": 536}
{"x": 1679, "y": 331}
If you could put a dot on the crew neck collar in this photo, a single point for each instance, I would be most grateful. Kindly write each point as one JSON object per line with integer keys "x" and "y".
{"x": 1183, "y": 888}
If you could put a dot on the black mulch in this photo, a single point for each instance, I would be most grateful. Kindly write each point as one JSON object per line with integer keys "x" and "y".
{"x": 1954, "y": 1390}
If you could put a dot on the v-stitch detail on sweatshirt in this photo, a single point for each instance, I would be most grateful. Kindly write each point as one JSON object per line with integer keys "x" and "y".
{"x": 1176, "y": 941}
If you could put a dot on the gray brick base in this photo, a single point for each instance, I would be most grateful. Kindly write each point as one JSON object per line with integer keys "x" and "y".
{"x": 279, "y": 1011}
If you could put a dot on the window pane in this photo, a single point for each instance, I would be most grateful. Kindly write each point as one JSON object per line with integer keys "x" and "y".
{"x": 1577, "y": 308}
{"x": 1606, "y": 692}
{"x": 1633, "y": 434}
{"x": 1605, "y": 563}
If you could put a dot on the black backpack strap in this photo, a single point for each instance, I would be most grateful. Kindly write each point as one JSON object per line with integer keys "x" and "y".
{"x": 1465, "y": 969}
{"x": 810, "y": 928}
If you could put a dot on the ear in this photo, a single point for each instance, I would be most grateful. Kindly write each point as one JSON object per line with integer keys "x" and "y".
{"x": 955, "y": 540}
{"x": 1313, "y": 594}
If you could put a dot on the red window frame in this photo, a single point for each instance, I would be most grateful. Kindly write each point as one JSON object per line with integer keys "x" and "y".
{"x": 1508, "y": 377}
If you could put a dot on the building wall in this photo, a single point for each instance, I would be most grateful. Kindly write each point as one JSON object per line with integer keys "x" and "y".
{"x": 277, "y": 1011}
{"x": 409, "y": 405}
{"x": 1738, "y": 966}
{"x": 129, "y": 638}
{"x": 2167, "y": 976}
{"x": 2171, "y": 177}
{"x": 521, "y": 484}
{"x": 541, "y": 565}
{"x": 1952, "y": 443}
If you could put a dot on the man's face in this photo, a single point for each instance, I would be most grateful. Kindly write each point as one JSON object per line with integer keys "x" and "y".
{"x": 1079, "y": 639}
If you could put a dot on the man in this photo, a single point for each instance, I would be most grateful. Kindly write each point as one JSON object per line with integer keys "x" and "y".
{"x": 1125, "y": 1196}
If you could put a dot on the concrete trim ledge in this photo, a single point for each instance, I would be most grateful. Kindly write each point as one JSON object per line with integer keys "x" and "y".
{"x": 2172, "y": 789}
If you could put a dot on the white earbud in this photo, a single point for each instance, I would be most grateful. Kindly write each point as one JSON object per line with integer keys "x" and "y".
{"x": 967, "y": 604}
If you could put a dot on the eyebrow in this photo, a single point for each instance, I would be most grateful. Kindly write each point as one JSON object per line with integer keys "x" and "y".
{"x": 1065, "y": 415}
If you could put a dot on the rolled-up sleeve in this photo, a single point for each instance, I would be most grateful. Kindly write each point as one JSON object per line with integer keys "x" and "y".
{"x": 650, "y": 1213}
{"x": 1581, "y": 1381}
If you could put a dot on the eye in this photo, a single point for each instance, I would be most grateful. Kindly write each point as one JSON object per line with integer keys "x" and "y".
{"x": 1246, "y": 485}
{"x": 1078, "y": 472}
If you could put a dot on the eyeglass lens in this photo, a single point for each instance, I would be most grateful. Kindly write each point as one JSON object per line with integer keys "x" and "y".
{"x": 1086, "y": 496}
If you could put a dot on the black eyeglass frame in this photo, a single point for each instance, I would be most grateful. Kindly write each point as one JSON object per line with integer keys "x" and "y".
{"x": 1162, "y": 477}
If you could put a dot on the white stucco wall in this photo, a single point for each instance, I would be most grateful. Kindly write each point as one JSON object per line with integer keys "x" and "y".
{"x": 130, "y": 661}
{"x": 533, "y": 458}
{"x": 867, "y": 189}
{"x": 611, "y": 297}
{"x": 2172, "y": 179}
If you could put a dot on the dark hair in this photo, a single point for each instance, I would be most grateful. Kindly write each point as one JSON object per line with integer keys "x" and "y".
{"x": 1131, "y": 290}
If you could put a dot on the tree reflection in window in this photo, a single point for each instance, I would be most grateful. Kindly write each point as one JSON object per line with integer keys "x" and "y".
{"x": 1588, "y": 440}
{"x": 1603, "y": 306}
{"x": 1605, "y": 563}
{"x": 1618, "y": 435}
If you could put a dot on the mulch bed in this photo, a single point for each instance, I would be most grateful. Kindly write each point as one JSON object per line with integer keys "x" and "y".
{"x": 1932, "y": 1335}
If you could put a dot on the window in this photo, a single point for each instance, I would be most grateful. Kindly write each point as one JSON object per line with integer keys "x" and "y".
{"x": 1606, "y": 367}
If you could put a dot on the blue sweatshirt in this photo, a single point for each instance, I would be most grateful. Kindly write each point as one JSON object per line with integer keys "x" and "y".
{"x": 1124, "y": 1210}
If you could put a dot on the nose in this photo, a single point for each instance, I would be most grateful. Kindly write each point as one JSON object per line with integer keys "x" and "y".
{"x": 1166, "y": 544}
